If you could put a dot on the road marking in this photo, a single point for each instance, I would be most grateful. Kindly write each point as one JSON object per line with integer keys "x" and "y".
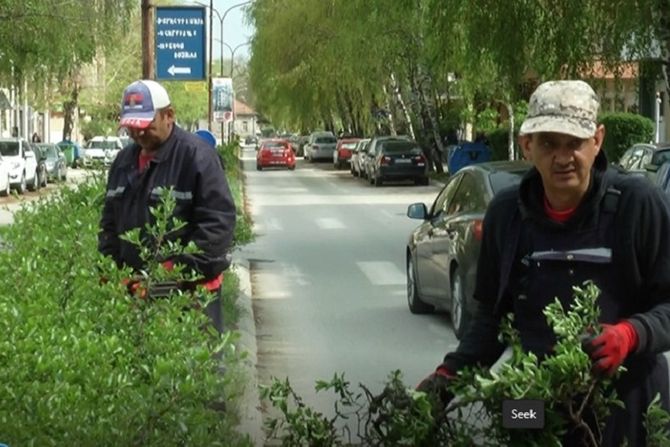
{"x": 382, "y": 273}
{"x": 329, "y": 223}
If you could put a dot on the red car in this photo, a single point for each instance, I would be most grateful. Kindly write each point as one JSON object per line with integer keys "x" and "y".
{"x": 275, "y": 153}
{"x": 343, "y": 152}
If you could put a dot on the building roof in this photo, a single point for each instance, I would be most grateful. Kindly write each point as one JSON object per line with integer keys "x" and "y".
{"x": 625, "y": 70}
{"x": 243, "y": 109}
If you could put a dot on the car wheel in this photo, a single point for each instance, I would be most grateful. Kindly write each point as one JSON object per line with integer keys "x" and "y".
{"x": 21, "y": 188}
{"x": 416, "y": 305}
{"x": 44, "y": 179}
{"x": 259, "y": 167}
{"x": 459, "y": 312}
{"x": 35, "y": 185}
{"x": 291, "y": 168}
{"x": 5, "y": 192}
{"x": 57, "y": 174}
{"x": 378, "y": 181}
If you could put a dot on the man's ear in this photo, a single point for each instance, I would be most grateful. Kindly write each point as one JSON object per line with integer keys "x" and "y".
{"x": 524, "y": 144}
{"x": 599, "y": 137}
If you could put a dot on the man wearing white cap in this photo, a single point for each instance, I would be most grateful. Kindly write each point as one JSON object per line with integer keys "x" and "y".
{"x": 573, "y": 219}
{"x": 165, "y": 156}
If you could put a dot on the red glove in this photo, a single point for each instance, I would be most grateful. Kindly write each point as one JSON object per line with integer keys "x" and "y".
{"x": 436, "y": 385}
{"x": 134, "y": 287}
{"x": 609, "y": 349}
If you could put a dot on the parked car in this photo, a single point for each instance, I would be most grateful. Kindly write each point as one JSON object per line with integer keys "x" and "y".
{"x": 250, "y": 140}
{"x": 645, "y": 158}
{"x": 275, "y": 153}
{"x": 442, "y": 252}
{"x": 320, "y": 146}
{"x": 355, "y": 164}
{"x": 5, "y": 182}
{"x": 56, "y": 164}
{"x": 398, "y": 160}
{"x": 343, "y": 152}
{"x": 101, "y": 150}
{"x": 373, "y": 148}
{"x": 23, "y": 164}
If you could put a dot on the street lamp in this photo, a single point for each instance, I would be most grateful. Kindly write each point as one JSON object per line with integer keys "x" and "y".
{"x": 232, "y": 67}
{"x": 221, "y": 18}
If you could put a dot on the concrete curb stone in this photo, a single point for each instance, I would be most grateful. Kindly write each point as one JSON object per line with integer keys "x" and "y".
{"x": 251, "y": 419}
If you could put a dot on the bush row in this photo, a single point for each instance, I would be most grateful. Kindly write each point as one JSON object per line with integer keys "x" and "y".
{"x": 84, "y": 363}
{"x": 622, "y": 130}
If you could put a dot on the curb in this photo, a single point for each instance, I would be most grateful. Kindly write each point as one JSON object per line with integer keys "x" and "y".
{"x": 251, "y": 419}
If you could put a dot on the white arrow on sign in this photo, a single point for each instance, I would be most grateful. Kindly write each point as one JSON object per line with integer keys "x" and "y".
{"x": 179, "y": 70}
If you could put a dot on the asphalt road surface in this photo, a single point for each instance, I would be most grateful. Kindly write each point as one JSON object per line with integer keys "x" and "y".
{"x": 328, "y": 279}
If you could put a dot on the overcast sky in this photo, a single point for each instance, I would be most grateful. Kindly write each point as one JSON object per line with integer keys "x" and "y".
{"x": 235, "y": 29}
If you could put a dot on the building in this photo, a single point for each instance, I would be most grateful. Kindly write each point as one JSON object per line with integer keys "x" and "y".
{"x": 246, "y": 120}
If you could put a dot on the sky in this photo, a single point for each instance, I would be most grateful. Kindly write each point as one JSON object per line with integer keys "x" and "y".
{"x": 235, "y": 29}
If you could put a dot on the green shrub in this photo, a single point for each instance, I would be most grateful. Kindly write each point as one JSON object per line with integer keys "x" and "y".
{"x": 84, "y": 363}
{"x": 402, "y": 416}
{"x": 499, "y": 144}
{"x": 229, "y": 153}
{"x": 622, "y": 130}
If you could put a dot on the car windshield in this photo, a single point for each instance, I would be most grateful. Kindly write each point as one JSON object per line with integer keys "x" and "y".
{"x": 348, "y": 145}
{"x": 502, "y": 179}
{"x": 102, "y": 144}
{"x": 325, "y": 140}
{"x": 400, "y": 147}
{"x": 9, "y": 148}
{"x": 48, "y": 150}
{"x": 274, "y": 145}
{"x": 660, "y": 157}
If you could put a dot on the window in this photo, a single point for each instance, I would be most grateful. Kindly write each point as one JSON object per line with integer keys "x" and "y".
{"x": 470, "y": 196}
{"x": 445, "y": 196}
{"x": 245, "y": 126}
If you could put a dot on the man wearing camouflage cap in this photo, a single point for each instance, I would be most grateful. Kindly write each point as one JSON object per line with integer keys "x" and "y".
{"x": 573, "y": 219}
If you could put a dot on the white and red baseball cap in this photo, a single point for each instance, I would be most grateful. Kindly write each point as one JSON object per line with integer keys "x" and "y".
{"x": 141, "y": 100}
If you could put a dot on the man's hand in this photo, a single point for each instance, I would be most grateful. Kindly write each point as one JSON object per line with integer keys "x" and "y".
{"x": 609, "y": 349}
{"x": 134, "y": 287}
{"x": 436, "y": 385}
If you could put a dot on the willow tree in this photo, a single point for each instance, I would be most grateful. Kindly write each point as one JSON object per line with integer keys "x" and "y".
{"x": 45, "y": 43}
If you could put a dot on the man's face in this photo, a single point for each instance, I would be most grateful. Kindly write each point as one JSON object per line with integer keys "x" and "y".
{"x": 563, "y": 161}
{"x": 157, "y": 132}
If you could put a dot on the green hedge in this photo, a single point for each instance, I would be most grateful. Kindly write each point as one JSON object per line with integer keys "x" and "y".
{"x": 622, "y": 130}
{"x": 85, "y": 364}
{"x": 498, "y": 142}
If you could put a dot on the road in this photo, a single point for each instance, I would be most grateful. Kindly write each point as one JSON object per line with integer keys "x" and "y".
{"x": 328, "y": 278}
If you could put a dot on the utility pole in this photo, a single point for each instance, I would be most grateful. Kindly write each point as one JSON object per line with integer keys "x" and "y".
{"x": 209, "y": 68}
{"x": 147, "y": 40}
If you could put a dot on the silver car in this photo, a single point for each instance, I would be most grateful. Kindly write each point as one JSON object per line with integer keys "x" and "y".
{"x": 356, "y": 162}
{"x": 320, "y": 146}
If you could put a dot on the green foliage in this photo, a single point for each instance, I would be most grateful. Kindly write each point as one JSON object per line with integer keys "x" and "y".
{"x": 229, "y": 154}
{"x": 656, "y": 422}
{"x": 622, "y": 130}
{"x": 86, "y": 364}
{"x": 402, "y": 416}
{"x": 499, "y": 143}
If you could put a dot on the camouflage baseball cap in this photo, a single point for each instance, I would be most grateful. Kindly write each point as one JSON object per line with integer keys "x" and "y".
{"x": 569, "y": 107}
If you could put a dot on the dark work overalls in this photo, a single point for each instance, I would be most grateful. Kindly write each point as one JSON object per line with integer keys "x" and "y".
{"x": 554, "y": 258}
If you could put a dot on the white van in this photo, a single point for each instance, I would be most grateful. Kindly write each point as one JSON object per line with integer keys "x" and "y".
{"x": 101, "y": 150}
{"x": 22, "y": 161}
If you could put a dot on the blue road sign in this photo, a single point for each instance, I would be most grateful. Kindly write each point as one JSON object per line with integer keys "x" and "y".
{"x": 180, "y": 43}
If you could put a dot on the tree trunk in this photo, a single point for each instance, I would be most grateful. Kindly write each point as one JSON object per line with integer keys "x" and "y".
{"x": 69, "y": 108}
{"x": 387, "y": 104}
{"x": 434, "y": 125}
{"x": 403, "y": 106}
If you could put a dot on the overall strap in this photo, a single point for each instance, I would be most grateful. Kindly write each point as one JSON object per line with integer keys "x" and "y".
{"x": 508, "y": 255}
